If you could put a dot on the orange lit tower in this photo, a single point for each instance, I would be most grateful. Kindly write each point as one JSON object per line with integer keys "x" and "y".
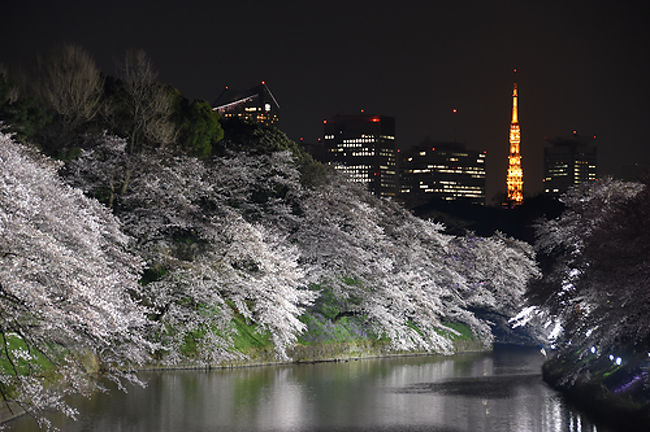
{"x": 515, "y": 176}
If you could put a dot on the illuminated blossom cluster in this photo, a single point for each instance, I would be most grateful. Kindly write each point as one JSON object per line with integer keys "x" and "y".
{"x": 67, "y": 282}
{"x": 205, "y": 262}
{"x": 498, "y": 270}
{"x": 592, "y": 299}
{"x": 401, "y": 274}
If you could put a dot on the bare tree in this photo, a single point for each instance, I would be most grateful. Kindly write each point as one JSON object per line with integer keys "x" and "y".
{"x": 71, "y": 84}
{"x": 149, "y": 104}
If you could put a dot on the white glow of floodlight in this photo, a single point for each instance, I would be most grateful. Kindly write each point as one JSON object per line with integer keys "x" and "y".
{"x": 618, "y": 361}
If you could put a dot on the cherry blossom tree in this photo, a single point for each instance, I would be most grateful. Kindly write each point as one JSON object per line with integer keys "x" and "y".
{"x": 205, "y": 260}
{"x": 498, "y": 270}
{"x": 591, "y": 300}
{"x": 396, "y": 263}
{"x": 67, "y": 287}
{"x": 352, "y": 243}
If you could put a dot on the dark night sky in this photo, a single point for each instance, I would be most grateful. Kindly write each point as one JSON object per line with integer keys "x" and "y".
{"x": 582, "y": 65}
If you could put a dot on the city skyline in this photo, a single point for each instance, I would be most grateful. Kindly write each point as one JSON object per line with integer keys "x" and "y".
{"x": 582, "y": 65}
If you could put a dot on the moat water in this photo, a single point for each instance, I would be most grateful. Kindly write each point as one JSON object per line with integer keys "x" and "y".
{"x": 499, "y": 391}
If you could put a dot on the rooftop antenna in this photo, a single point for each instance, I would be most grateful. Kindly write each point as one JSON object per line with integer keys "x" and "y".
{"x": 271, "y": 93}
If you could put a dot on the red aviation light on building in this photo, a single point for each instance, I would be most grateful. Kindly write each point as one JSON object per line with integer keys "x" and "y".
{"x": 398, "y": 150}
{"x": 433, "y": 149}
{"x": 454, "y": 110}
{"x": 375, "y": 173}
{"x": 227, "y": 88}
{"x": 362, "y": 110}
{"x": 324, "y": 121}
{"x": 263, "y": 82}
{"x": 301, "y": 139}
{"x": 375, "y": 119}
{"x": 574, "y": 132}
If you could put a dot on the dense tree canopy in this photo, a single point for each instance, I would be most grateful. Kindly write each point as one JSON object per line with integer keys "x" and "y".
{"x": 198, "y": 127}
{"x": 201, "y": 254}
{"x": 402, "y": 276}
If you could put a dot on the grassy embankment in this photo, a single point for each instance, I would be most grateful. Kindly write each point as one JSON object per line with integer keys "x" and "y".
{"x": 331, "y": 334}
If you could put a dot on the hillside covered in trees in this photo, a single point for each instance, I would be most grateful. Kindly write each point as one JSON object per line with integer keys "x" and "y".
{"x": 166, "y": 238}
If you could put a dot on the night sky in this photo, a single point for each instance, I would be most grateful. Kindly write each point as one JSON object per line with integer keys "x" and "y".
{"x": 581, "y": 65}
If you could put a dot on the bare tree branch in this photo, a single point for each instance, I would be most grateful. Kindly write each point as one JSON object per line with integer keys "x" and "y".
{"x": 71, "y": 84}
{"x": 150, "y": 106}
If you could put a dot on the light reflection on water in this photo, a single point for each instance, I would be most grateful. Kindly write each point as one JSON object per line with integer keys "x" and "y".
{"x": 500, "y": 391}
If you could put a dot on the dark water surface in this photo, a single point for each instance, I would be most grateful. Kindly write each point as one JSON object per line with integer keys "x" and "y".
{"x": 499, "y": 391}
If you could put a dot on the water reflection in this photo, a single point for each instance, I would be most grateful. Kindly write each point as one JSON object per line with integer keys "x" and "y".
{"x": 501, "y": 391}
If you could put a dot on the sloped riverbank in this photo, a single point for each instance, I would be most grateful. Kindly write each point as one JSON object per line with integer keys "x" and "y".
{"x": 323, "y": 352}
{"x": 613, "y": 398}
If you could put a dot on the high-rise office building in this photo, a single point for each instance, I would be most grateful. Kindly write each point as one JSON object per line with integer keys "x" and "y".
{"x": 364, "y": 148}
{"x": 255, "y": 105}
{"x": 515, "y": 175}
{"x": 445, "y": 171}
{"x": 567, "y": 162}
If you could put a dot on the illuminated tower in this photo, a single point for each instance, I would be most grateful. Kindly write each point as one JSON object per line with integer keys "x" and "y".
{"x": 515, "y": 176}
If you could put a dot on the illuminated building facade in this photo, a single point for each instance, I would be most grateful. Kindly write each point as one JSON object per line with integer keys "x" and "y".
{"x": 515, "y": 175}
{"x": 256, "y": 105}
{"x": 364, "y": 148}
{"x": 567, "y": 162}
{"x": 445, "y": 171}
